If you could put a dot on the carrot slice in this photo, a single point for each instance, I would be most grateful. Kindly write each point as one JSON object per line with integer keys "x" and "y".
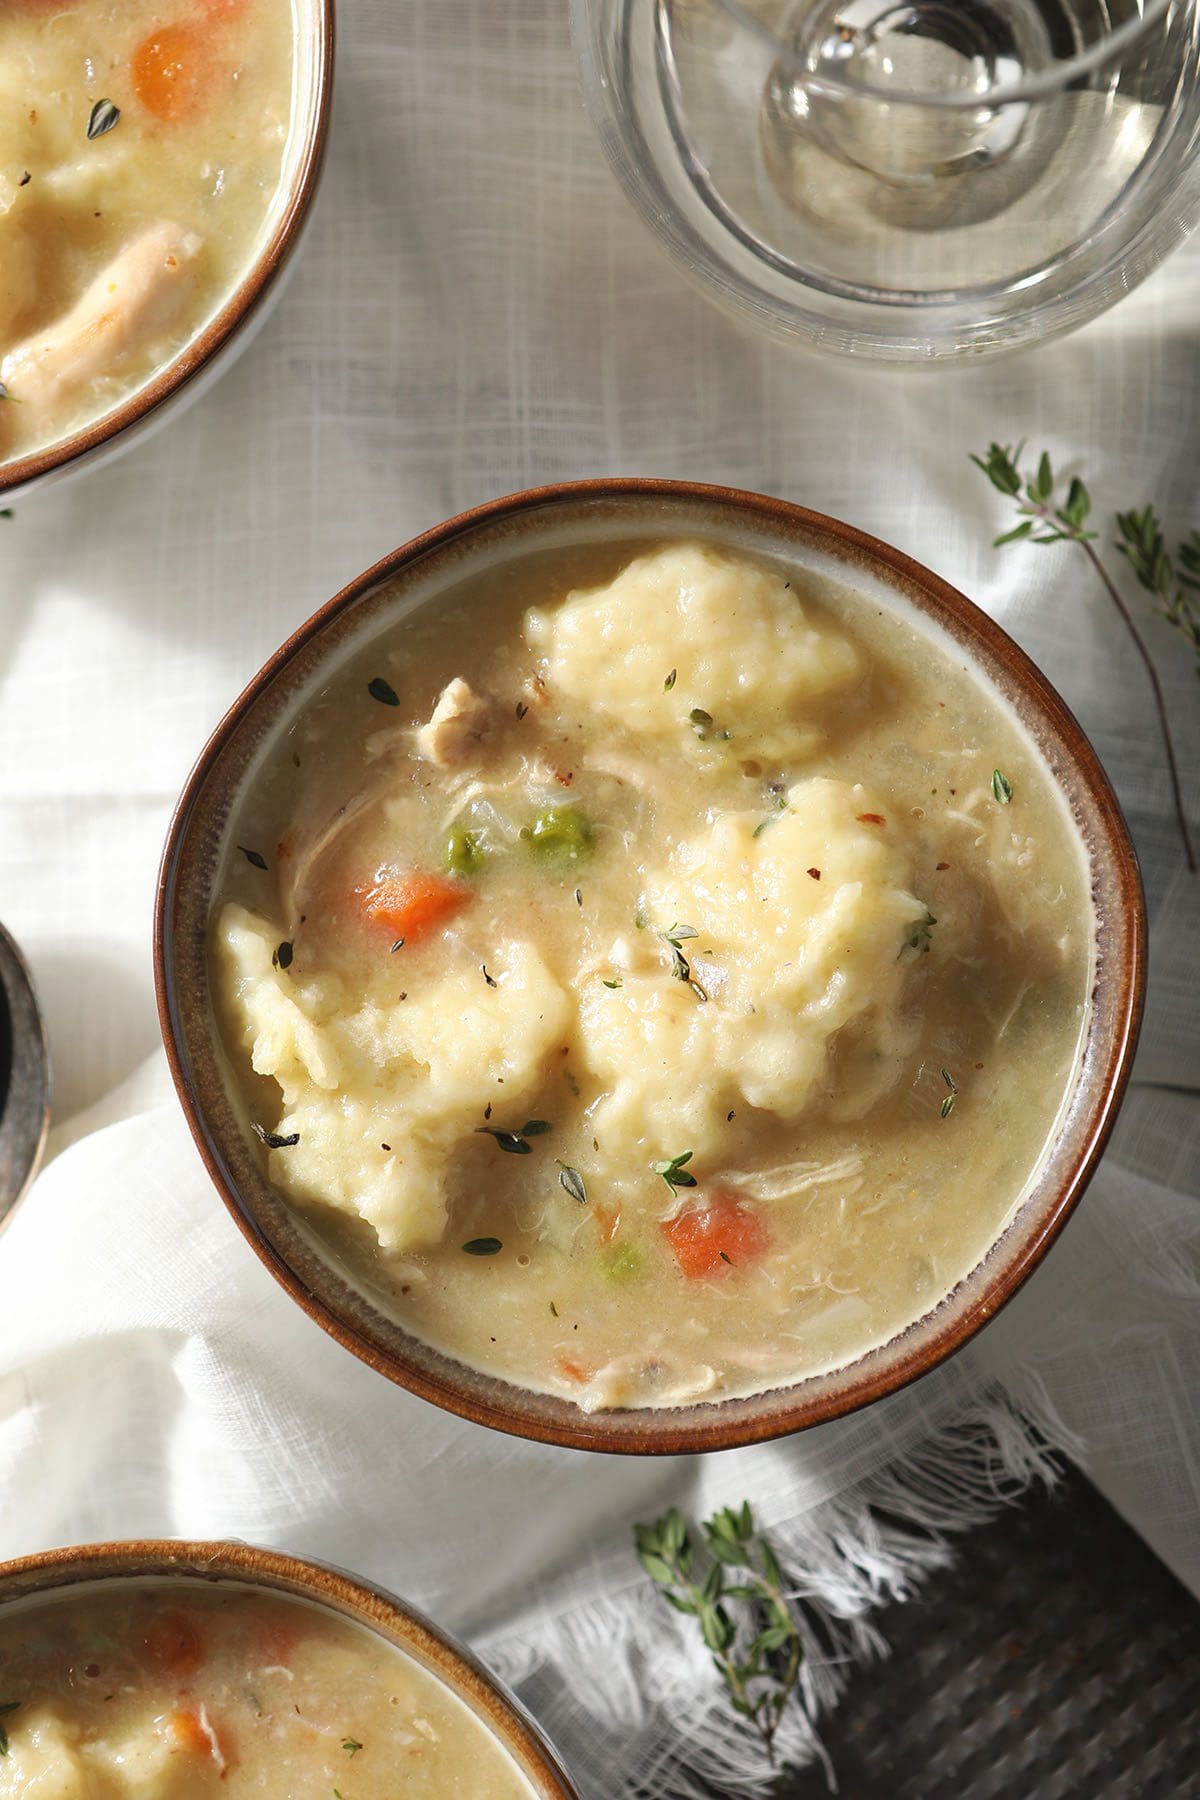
{"x": 571, "y": 1371}
{"x": 408, "y": 906}
{"x": 171, "y": 1643}
{"x": 173, "y": 72}
{"x": 720, "y": 1234}
{"x": 188, "y": 1732}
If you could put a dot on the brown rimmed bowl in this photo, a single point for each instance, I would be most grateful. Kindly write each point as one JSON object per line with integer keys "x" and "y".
{"x": 232, "y": 327}
{"x": 159, "y": 1562}
{"x": 376, "y": 604}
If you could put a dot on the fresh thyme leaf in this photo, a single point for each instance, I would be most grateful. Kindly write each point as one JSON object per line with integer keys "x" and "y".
{"x": 522, "y": 709}
{"x": 1014, "y": 536}
{"x": 951, "y": 1097}
{"x": 490, "y": 979}
{"x": 104, "y": 115}
{"x": 512, "y": 1141}
{"x": 674, "y": 1173}
{"x": 1140, "y": 541}
{"x": 351, "y": 1746}
{"x": 398, "y": 945}
{"x": 282, "y": 957}
{"x": 613, "y": 984}
{"x": 677, "y": 934}
{"x": 535, "y": 1127}
{"x": 1002, "y": 791}
{"x": 669, "y": 683}
{"x": 739, "y": 1605}
{"x": 253, "y": 857}
{"x": 383, "y": 691}
{"x": 681, "y": 968}
{"x": 573, "y": 1182}
{"x": 6, "y": 512}
{"x": 698, "y": 716}
{"x": 274, "y": 1140}
{"x": 485, "y": 1246}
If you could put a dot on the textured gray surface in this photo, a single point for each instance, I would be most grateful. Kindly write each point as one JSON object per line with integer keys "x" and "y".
{"x": 1057, "y": 1660}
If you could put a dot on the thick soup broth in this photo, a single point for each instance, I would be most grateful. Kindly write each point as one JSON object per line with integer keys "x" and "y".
{"x": 186, "y": 1690}
{"x": 656, "y": 975}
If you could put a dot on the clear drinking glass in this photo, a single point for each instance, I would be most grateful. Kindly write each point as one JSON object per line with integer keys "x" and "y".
{"x": 903, "y": 179}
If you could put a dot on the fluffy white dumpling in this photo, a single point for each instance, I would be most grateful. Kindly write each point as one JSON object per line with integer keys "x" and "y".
{"x": 799, "y": 934}
{"x": 380, "y": 1095}
{"x": 735, "y": 635}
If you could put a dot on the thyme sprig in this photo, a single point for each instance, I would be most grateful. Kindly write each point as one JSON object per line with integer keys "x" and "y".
{"x": 681, "y": 968}
{"x": 674, "y": 1173}
{"x": 1141, "y": 544}
{"x": 739, "y": 1603}
{"x": 1046, "y": 519}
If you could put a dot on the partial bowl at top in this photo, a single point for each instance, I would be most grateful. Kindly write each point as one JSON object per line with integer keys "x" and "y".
{"x": 218, "y": 1669}
{"x": 649, "y": 967}
{"x": 157, "y": 167}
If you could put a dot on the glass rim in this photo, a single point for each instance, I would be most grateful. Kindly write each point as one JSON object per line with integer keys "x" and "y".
{"x": 1031, "y": 87}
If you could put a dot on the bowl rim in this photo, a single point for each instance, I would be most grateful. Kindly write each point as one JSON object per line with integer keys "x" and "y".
{"x": 238, "y": 309}
{"x": 711, "y": 1425}
{"x": 50, "y": 1573}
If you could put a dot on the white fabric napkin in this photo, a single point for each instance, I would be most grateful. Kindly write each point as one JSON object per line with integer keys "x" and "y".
{"x": 477, "y": 310}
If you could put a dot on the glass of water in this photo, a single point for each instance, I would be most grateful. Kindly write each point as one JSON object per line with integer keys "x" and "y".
{"x": 905, "y": 180}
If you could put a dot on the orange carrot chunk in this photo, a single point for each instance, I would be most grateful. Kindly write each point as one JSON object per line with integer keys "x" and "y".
{"x": 173, "y": 72}
{"x": 187, "y": 1732}
{"x": 408, "y": 906}
{"x": 719, "y": 1234}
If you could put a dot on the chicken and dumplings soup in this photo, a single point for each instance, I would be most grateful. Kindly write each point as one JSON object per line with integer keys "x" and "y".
{"x": 141, "y": 154}
{"x": 182, "y": 1690}
{"x": 655, "y": 972}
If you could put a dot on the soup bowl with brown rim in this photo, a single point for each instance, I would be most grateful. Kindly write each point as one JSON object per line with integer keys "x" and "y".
{"x": 648, "y": 967}
{"x": 203, "y": 132}
{"x": 221, "y": 1668}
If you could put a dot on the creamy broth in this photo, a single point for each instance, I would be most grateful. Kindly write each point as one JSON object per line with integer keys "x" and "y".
{"x": 116, "y": 248}
{"x": 183, "y": 1690}
{"x": 639, "y": 975}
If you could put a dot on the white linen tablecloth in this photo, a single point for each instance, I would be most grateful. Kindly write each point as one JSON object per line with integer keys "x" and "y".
{"x": 476, "y": 311}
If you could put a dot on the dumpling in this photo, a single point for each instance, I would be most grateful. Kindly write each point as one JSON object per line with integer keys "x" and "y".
{"x": 380, "y": 1095}
{"x": 797, "y": 932}
{"x": 734, "y": 636}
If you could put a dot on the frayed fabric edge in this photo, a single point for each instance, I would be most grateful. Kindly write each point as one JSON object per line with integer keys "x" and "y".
{"x": 625, "y": 1687}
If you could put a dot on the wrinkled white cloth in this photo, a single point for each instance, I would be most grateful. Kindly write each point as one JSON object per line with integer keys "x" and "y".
{"x": 477, "y": 310}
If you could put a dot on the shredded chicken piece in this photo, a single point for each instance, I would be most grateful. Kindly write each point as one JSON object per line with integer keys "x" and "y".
{"x": 790, "y": 1180}
{"x": 206, "y": 1727}
{"x": 138, "y": 295}
{"x": 456, "y": 726}
{"x": 631, "y": 771}
{"x": 626, "y": 1380}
